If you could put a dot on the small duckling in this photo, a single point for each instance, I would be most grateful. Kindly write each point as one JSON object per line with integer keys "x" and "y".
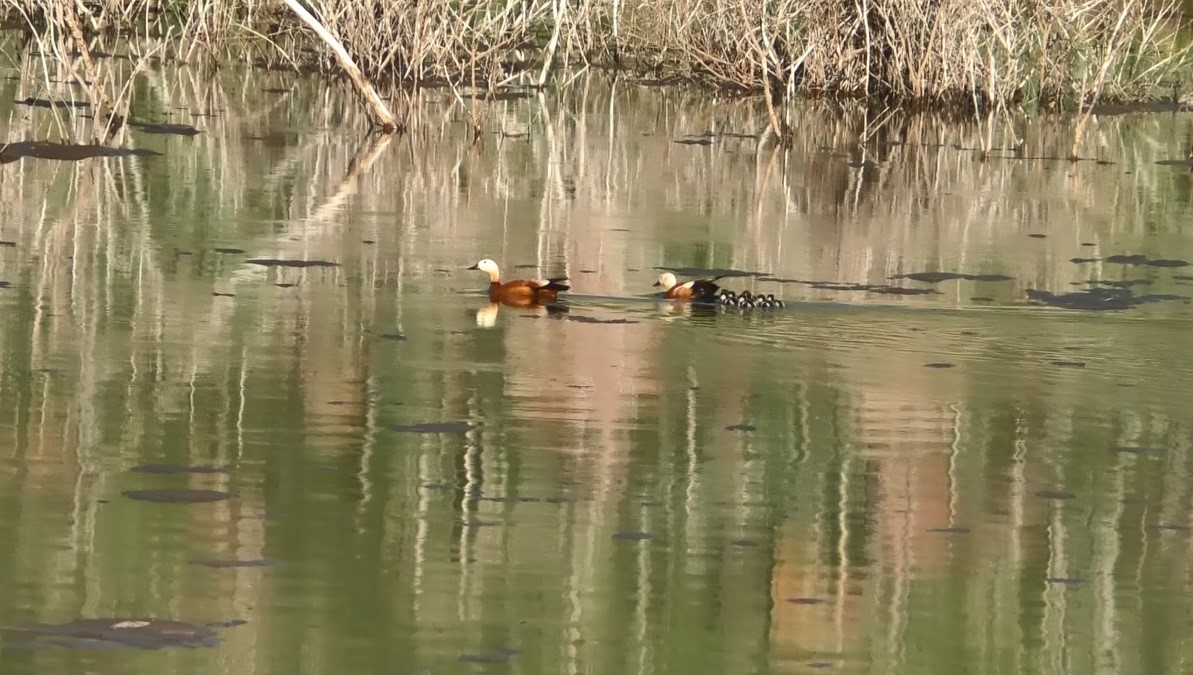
{"x": 745, "y": 300}
{"x": 773, "y": 301}
{"x": 763, "y": 303}
{"x": 728, "y": 297}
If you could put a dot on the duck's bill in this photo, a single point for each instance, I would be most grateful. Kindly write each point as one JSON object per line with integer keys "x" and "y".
{"x": 657, "y": 283}
{"x": 475, "y": 267}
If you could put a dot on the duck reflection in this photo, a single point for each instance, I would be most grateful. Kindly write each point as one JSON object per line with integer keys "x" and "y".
{"x": 486, "y": 317}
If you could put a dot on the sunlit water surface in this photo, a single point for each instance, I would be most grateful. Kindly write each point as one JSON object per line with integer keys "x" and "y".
{"x": 960, "y": 481}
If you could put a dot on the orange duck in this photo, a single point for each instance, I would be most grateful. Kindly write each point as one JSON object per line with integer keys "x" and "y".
{"x": 703, "y": 290}
{"x": 519, "y": 291}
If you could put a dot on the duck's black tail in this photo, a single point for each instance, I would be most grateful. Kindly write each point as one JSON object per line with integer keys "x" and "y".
{"x": 556, "y": 285}
{"x": 705, "y": 291}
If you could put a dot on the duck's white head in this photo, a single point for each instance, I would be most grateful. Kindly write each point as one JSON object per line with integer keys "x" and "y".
{"x": 488, "y": 267}
{"x": 666, "y": 280}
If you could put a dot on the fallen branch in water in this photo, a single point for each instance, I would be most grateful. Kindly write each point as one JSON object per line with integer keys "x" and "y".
{"x": 385, "y": 119}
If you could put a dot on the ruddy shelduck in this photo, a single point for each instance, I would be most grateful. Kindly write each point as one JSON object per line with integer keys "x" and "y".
{"x": 703, "y": 290}
{"x": 520, "y": 291}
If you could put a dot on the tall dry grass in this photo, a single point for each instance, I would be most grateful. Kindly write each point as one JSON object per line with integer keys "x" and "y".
{"x": 978, "y": 54}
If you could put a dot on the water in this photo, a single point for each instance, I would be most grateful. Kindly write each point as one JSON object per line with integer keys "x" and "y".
{"x": 665, "y": 489}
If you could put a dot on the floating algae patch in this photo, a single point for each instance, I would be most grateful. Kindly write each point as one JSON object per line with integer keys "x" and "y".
{"x": 1099, "y": 298}
{"x": 592, "y": 319}
{"x": 1054, "y": 494}
{"x": 228, "y": 250}
{"x": 1138, "y": 259}
{"x": 633, "y": 536}
{"x": 740, "y": 427}
{"x": 165, "y": 128}
{"x": 435, "y": 427}
{"x": 177, "y": 469}
{"x": 47, "y": 103}
{"x": 142, "y": 633}
{"x": 275, "y": 262}
{"x": 218, "y": 563}
{"x": 937, "y": 277}
{"x": 177, "y": 496}
{"x": 940, "y": 365}
{"x": 65, "y": 152}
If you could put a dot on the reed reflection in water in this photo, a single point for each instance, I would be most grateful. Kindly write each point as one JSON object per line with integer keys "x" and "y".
{"x": 638, "y": 487}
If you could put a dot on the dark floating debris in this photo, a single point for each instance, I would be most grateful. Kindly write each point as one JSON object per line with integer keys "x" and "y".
{"x": 5, "y": 284}
{"x": 7, "y": 243}
{"x": 820, "y": 665}
{"x": 1173, "y": 527}
{"x": 592, "y": 319}
{"x": 740, "y": 427}
{"x": 178, "y": 496}
{"x": 850, "y": 286}
{"x": 237, "y": 562}
{"x": 937, "y": 277}
{"x": 177, "y": 468}
{"x": 1068, "y": 581}
{"x": 1137, "y": 259}
{"x": 46, "y": 103}
{"x": 142, "y": 633}
{"x": 1138, "y": 449}
{"x": 492, "y": 657}
{"x": 713, "y": 273}
{"x": 1037, "y": 235}
{"x": 368, "y": 241}
{"x": 806, "y": 601}
{"x": 940, "y": 364}
{"x": 395, "y": 337}
{"x": 982, "y": 298}
{"x": 164, "y": 128}
{"x": 744, "y": 543}
{"x": 1069, "y": 364}
{"x": 1081, "y": 261}
{"x": 1124, "y": 283}
{"x": 694, "y": 141}
{"x": 435, "y": 427}
{"x": 1054, "y": 494}
{"x": 231, "y": 623}
{"x": 11, "y": 152}
{"x": 224, "y": 295}
{"x": 1109, "y": 298}
{"x": 274, "y": 262}
{"x": 633, "y": 536}
{"x": 285, "y": 285}
{"x": 224, "y": 249}
{"x": 1088, "y": 244}
{"x": 949, "y": 530}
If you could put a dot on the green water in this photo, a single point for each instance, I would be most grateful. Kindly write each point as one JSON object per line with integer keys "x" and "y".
{"x": 599, "y": 517}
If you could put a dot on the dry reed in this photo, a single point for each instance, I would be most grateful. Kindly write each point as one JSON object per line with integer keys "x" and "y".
{"x": 978, "y": 54}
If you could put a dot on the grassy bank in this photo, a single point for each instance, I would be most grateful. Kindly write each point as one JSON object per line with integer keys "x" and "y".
{"x": 980, "y": 54}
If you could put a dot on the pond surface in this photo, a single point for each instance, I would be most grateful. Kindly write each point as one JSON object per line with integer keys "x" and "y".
{"x": 362, "y": 466}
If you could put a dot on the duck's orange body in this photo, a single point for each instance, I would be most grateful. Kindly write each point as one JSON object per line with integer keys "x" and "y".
{"x": 702, "y": 290}
{"x": 523, "y": 292}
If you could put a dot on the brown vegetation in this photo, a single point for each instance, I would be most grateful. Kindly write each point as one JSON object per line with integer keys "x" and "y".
{"x": 978, "y": 54}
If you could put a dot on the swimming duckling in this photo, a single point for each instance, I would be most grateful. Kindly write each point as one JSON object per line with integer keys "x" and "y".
{"x": 774, "y": 302}
{"x": 763, "y": 303}
{"x": 745, "y": 300}
{"x": 728, "y": 297}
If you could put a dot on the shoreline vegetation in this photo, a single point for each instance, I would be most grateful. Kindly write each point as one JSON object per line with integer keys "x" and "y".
{"x": 982, "y": 57}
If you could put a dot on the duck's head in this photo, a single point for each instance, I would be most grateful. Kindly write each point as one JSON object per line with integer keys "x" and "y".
{"x": 666, "y": 280}
{"x": 488, "y": 267}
